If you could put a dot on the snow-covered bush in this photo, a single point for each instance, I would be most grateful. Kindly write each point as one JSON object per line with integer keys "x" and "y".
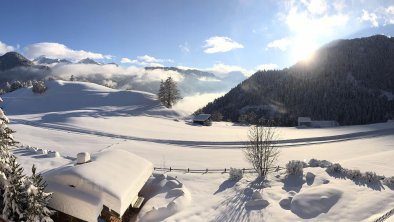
{"x": 353, "y": 174}
{"x": 39, "y": 87}
{"x": 319, "y": 163}
{"x": 314, "y": 163}
{"x": 15, "y": 85}
{"x": 389, "y": 181}
{"x": 371, "y": 177}
{"x": 334, "y": 168}
{"x": 235, "y": 174}
{"x": 295, "y": 167}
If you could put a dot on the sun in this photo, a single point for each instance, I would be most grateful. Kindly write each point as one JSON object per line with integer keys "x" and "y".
{"x": 303, "y": 52}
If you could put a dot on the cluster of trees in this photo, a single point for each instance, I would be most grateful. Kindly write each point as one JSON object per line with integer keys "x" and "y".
{"x": 37, "y": 86}
{"x": 22, "y": 198}
{"x": 345, "y": 82}
{"x": 168, "y": 93}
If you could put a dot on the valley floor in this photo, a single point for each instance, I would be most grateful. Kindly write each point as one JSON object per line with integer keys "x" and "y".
{"x": 73, "y": 117}
{"x": 178, "y": 144}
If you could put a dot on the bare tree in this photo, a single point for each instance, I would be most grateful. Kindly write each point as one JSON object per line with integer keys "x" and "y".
{"x": 261, "y": 150}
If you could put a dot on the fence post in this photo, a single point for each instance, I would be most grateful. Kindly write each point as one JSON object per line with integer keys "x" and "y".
{"x": 188, "y": 170}
{"x": 206, "y": 170}
{"x": 243, "y": 170}
{"x": 170, "y": 169}
{"x": 225, "y": 170}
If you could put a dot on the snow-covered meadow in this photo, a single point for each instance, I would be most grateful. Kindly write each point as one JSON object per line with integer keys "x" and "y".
{"x": 74, "y": 117}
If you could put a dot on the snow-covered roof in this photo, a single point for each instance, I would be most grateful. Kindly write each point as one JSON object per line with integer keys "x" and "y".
{"x": 112, "y": 178}
{"x": 201, "y": 117}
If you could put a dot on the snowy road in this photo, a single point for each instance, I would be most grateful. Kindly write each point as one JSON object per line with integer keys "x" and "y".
{"x": 213, "y": 144}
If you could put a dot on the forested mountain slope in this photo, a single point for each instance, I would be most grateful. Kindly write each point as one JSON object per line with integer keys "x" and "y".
{"x": 350, "y": 81}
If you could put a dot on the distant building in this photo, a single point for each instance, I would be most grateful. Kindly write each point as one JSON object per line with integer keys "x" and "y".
{"x": 203, "y": 119}
{"x": 308, "y": 122}
{"x": 304, "y": 121}
{"x": 105, "y": 186}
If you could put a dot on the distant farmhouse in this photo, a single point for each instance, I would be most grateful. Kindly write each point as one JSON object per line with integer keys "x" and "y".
{"x": 308, "y": 122}
{"x": 105, "y": 186}
{"x": 203, "y": 119}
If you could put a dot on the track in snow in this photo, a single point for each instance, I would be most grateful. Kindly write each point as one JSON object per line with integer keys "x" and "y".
{"x": 213, "y": 144}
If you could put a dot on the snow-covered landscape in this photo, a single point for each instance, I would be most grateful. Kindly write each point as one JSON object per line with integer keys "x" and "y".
{"x": 74, "y": 117}
{"x": 194, "y": 111}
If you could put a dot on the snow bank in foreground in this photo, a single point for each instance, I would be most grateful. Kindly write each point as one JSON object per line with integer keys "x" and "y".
{"x": 313, "y": 201}
{"x": 168, "y": 196}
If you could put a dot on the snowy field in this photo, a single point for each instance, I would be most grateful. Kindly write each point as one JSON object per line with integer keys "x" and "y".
{"x": 75, "y": 117}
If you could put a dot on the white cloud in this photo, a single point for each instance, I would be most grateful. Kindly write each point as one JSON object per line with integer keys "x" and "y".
{"x": 370, "y": 17}
{"x": 146, "y": 60}
{"x": 269, "y": 66}
{"x": 218, "y": 44}
{"x": 127, "y": 60}
{"x": 190, "y": 104}
{"x": 311, "y": 25}
{"x": 4, "y": 48}
{"x": 184, "y": 48}
{"x": 383, "y": 15}
{"x": 316, "y": 6}
{"x": 149, "y": 59}
{"x": 389, "y": 15}
{"x": 60, "y": 51}
{"x": 106, "y": 72}
{"x": 221, "y": 69}
{"x": 339, "y": 5}
{"x": 281, "y": 44}
{"x": 186, "y": 67}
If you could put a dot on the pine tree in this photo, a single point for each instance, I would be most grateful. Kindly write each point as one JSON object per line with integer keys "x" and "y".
{"x": 15, "y": 187}
{"x": 37, "y": 199}
{"x": 168, "y": 93}
{"x": 6, "y": 141}
{"x": 15, "y": 195}
{"x": 161, "y": 93}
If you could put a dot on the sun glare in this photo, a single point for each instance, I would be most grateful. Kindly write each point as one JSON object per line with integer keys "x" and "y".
{"x": 304, "y": 52}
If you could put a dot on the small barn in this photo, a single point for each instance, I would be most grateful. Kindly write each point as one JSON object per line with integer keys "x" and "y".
{"x": 308, "y": 122}
{"x": 203, "y": 119}
{"x": 102, "y": 186}
{"x": 304, "y": 122}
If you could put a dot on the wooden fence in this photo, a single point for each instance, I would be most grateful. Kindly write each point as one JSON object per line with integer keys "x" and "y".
{"x": 208, "y": 170}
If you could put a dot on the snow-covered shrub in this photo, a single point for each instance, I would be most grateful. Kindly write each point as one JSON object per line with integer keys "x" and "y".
{"x": 389, "y": 181}
{"x": 371, "y": 177}
{"x": 319, "y": 163}
{"x": 314, "y": 163}
{"x": 235, "y": 174}
{"x": 354, "y": 174}
{"x": 334, "y": 168}
{"x": 39, "y": 87}
{"x": 295, "y": 167}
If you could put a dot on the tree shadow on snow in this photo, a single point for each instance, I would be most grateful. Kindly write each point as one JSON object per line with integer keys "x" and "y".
{"x": 234, "y": 207}
{"x": 293, "y": 183}
{"x": 225, "y": 185}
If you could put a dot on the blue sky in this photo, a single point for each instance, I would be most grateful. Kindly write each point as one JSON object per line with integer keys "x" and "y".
{"x": 208, "y": 34}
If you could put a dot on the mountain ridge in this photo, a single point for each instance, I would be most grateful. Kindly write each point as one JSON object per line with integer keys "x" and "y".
{"x": 345, "y": 82}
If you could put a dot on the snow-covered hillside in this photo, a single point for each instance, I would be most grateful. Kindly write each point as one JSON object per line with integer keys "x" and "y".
{"x": 73, "y": 117}
{"x": 77, "y": 99}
